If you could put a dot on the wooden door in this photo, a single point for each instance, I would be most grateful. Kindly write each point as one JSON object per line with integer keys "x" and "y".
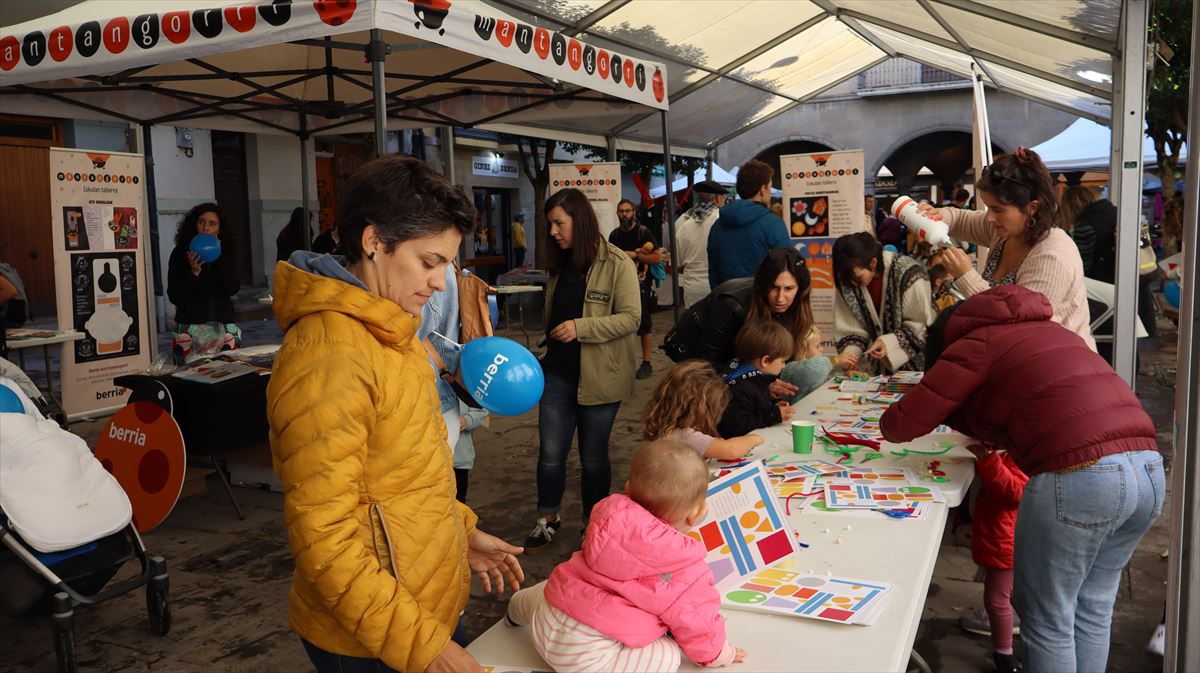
{"x": 25, "y": 238}
{"x": 229, "y": 184}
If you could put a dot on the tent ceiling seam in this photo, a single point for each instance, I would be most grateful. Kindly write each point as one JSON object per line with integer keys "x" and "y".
{"x": 941, "y": 21}
{"x": 1080, "y": 38}
{"x": 596, "y": 16}
{"x": 978, "y": 54}
{"x": 791, "y": 106}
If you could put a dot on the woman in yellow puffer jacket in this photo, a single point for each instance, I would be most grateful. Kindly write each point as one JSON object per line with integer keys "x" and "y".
{"x": 384, "y": 553}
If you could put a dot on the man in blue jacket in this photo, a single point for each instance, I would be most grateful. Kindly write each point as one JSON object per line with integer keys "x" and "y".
{"x": 746, "y": 228}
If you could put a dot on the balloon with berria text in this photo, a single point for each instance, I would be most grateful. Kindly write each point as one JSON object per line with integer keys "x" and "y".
{"x": 502, "y": 375}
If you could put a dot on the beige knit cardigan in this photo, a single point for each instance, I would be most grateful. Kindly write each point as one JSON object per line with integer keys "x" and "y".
{"x": 1052, "y": 267}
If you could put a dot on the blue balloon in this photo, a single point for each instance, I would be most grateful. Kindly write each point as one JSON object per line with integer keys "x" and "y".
{"x": 10, "y": 403}
{"x": 502, "y": 375}
{"x": 494, "y": 310}
{"x": 207, "y": 246}
{"x": 890, "y": 248}
{"x": 1171, "y": 293}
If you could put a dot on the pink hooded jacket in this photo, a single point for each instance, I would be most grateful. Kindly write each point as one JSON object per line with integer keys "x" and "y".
{"x": 638, "y": 577}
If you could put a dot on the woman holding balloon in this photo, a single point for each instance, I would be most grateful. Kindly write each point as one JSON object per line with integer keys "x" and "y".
{"x": 593, "y": 308}
{"x": 201, "y": 281}
{"x": 383, "y": 552}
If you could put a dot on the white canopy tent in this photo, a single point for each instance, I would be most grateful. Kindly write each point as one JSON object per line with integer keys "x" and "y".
{"x": 1083, "y": 146}
{"x": 714, "y": 173}
{"x": 734, "y": 64}
{"x": 308, "y": 68}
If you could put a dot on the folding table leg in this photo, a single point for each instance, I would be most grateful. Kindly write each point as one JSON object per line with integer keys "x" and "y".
{"x": 225, "y": 483}
{"x": 917, "y": 662}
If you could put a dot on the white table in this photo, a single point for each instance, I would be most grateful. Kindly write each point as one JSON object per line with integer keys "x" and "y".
{"x": 506, "y": 290}
{"x": 28, "y": 338}
{"x": 902, "y": 552}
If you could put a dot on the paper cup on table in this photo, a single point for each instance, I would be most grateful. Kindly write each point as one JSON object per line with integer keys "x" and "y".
{"x": 802, "y": 436}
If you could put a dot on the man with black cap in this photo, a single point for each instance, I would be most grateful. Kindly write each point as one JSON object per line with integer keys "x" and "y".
{"x": 691, "y": 237}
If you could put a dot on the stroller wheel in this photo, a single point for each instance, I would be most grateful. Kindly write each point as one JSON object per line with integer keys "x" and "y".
{"x": 158, "y": 607}
{"x": 64, "y": 650}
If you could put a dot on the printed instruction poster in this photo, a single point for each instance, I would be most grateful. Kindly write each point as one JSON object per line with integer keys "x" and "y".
{"x": 822, "y": 200}
{"x": 600, "y": 182}
{"x": 96, "y": 211}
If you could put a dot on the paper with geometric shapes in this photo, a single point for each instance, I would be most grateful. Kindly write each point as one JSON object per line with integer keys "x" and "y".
{"x": 851, "y": 494}
{"x": 744, "y": 529}
{"x": 816, "y": 503}
{"x": 867, "y": 474}
{"x": 786, "y": 590}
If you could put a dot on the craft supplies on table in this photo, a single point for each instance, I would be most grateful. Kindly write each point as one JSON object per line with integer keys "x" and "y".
{"x": 752, "y": 552}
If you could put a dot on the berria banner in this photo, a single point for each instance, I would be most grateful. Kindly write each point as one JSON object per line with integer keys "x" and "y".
{"x": 89, "y": 38}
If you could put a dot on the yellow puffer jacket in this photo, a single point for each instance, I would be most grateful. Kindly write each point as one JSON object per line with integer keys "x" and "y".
{"x": 379, "y": 541}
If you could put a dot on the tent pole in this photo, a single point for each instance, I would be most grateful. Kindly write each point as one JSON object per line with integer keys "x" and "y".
{"x": 1125, "y": 179}
{"x": 377, "y": 51}
{"x": 448, "y": 154}
{"x": 304, "y": 195}
{"x": 669, "y": 210}
{"x": 1183, "y": 564}
{"x": 611, "y": 142}
{"x": 156, "y": 305}
{"x": 708, "y": 162}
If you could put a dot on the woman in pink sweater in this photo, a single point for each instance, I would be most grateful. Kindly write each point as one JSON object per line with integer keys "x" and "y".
{"x": 638, "y": 577}
{"x": 1027, "y": 246}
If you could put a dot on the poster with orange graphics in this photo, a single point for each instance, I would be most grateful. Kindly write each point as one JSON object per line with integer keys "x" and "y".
{"x": 822, "y": 200}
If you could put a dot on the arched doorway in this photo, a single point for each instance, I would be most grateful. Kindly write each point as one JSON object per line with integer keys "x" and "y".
{"x": 770, "y": 156}
{"x": 945, "y": 153}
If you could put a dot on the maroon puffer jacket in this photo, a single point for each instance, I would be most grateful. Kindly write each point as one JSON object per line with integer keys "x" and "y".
{"x": 1011, "y": 377}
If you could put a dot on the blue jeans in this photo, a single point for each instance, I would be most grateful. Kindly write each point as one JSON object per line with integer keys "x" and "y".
{"x": 559, "y": 414}
{"x": 1075, "y": 533}
{"x": 328, "y": 662}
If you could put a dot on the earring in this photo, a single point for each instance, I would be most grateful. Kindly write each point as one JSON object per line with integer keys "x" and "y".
{"x": 371, "y": 255}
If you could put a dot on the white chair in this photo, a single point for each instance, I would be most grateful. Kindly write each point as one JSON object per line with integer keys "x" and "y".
{"x": 1105, "y": 294}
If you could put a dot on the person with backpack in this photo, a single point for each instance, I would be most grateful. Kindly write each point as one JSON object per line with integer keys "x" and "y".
{"x": 746, "y": 229}
{"x": 779, "y": 290}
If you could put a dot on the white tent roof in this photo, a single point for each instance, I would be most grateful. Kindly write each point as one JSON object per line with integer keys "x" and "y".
{"x": 719, "y": 175}
{"x": 1084, "y": 145}
{"x": 734, "y": 64}
{"x": 255, "y": 65}
{"x": 727, "y": 65}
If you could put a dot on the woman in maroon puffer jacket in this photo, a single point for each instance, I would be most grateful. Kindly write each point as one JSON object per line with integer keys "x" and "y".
{"x": 1001, "y": 371}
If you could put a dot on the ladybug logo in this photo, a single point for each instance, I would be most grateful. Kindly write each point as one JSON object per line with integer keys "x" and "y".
{"x": 821, "y": 159}
{"x": 98, "y": 160}
{"x": 336, "y": 12}
{"x": 584, "y": 169}
{"x": 660, "y": 87}
{"x": 431, "y": 14}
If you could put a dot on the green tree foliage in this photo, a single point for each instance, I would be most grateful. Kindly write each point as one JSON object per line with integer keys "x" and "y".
{"x": 1167, "y": 107}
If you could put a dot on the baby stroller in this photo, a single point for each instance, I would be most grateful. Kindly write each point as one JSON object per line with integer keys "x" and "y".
{"x": 65, "y": 528}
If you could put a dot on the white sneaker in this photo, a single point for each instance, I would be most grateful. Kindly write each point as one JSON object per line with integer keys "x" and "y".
{"x": 1158, "y": 641}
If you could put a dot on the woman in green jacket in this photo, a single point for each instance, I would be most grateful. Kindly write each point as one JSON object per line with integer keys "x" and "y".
{"x": 593, "y": 309}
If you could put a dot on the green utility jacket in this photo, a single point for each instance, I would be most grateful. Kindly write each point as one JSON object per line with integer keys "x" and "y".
{"x": 607, "y": 332}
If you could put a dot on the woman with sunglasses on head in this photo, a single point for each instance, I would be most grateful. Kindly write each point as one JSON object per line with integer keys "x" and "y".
{"x": 883, "y": 305}
{"x": 1028, "y": 248}
{"x": 780, "y": 290}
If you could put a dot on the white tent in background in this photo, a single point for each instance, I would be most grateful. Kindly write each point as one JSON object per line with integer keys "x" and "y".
{"x": 718, "y": 175}
{"x": 1083, "y": 146}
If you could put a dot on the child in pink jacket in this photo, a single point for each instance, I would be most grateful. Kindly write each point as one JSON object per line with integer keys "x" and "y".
{"x": 610, "y": 606}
